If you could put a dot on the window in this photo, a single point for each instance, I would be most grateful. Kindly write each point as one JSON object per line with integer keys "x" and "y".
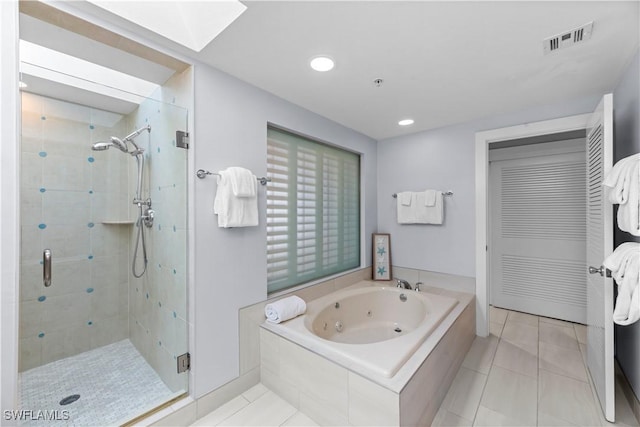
{"x": 313, "y": 210}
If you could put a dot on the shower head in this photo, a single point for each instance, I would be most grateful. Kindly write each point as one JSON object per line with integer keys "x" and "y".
{"x": 121, "y": 144}
{"x": 117, "y": 142}
{"x": 101, "y": 146}
{"x": 105, "y": 145}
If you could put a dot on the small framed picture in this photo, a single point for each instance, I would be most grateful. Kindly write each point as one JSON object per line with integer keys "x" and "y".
{"x": 381, "y": 244}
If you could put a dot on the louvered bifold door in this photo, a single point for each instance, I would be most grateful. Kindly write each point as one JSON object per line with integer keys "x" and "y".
{"x": 538, "y": 226}
{"x": 600, "y": 337}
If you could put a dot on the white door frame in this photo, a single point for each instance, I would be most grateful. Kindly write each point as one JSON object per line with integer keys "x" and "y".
{"x": 483, "y": 139}
{"x": 9, "y": 196}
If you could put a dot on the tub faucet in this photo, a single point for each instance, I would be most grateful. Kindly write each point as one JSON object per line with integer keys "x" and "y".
{"x": 403, "y": 284}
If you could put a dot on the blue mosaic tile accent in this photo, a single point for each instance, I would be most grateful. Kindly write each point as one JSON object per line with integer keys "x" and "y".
{"x": 41, "y": 335}
{"x": 42, "y": 298}
{"x": 90, "y": 191}
{"x": 147, "y": 295}
{"x": 90, "y": 225}
{"x": 174, "y": 228}
{"x": 175, "y": 315}
{"x": 92, "y": 127}
{"x": 89, "y": 323}
{"x": 89, "y": 290}
{"x": 90, "y": 159}
{"x": 90, "y": 257}
{"x": 174, "y": 271}
{"x": 42, "y": 154}
{"x": 42, "y": 226}
{"x": 42, "y": 190}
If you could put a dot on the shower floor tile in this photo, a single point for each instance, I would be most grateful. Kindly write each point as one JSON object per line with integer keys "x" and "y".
{"x": 115, "y": 384}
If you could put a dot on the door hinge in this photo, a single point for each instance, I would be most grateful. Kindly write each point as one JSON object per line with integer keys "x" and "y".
{"x": 184, "y": 362}
{"x": 182, "y": 139}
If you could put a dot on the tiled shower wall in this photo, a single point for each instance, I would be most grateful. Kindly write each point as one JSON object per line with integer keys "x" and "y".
{"x": 67, "y": 192}
{"x": 158, "y": 306}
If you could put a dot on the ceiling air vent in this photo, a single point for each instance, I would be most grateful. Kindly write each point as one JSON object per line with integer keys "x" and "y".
{"x": 568, "y": 38}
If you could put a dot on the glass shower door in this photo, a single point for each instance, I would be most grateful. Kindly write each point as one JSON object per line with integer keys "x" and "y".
{"x": 100, "y": 346}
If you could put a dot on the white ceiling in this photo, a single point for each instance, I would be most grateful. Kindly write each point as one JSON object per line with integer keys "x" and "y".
{"x": 442, "y": 62}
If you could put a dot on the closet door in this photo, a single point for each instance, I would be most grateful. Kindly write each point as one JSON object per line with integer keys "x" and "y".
{"x": 538, "y": 230}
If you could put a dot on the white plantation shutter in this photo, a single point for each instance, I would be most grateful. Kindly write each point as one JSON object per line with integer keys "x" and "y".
{"x": 313, "y": 210}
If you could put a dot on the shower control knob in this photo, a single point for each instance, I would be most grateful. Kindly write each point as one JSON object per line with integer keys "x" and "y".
{"x": 147, "y": 218}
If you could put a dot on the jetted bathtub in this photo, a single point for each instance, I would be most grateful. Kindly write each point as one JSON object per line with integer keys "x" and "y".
{"x": 374, "y": 328}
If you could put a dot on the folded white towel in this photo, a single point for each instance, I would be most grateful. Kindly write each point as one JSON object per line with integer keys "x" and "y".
{"x": 425, "y": 214}
{"x": 406, "y": 213}
{"x": 629, "y": 211}
{"x": 243, "y": 182}
{"x": 285, "y": 309}
{"x": 233, "y": 211}
{"x": 624, "y": 264}
{"x": 430, "y": 197}
{"x": 405, "y": 198}
{"x": 624, "y": 182}
{"x": 618, "y": 179}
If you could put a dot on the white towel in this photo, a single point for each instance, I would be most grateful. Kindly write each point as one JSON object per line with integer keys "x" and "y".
{"x": 285, "y": 309}
{"x": 624, "y": 181}
{"x": 425, "y": 214}
{"x": 233, "y": 211}
{"x": 243, "y": 182}
{"x": 405, "y": 198}
{"x": 406, "y": 212}
{"x": 418, "y": 212}
{"x": 619, "y": 179}
{"x": 430, "y": 197}
{"x": 624, "y": 264}
{"x": 629, "y": 212}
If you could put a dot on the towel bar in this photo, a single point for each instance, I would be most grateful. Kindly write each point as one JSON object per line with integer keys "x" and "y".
{"x": 202, "y": 174}
{"x": 444, "y": 193}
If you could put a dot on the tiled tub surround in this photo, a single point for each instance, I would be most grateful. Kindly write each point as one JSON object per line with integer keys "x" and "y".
{"x": 334, "y": 392}
{"x": 356, "y": 326}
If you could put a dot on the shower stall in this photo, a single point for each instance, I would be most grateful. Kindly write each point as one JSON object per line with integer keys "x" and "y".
{"x": 103, "y": 310}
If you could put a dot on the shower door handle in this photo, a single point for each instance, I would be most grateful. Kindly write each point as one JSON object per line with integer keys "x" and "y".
{"x": 46, "y": 267}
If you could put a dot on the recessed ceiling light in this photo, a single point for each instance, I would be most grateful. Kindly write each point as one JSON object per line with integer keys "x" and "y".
{"x": 322, "y": 63}
{"x": 405, "y": 122}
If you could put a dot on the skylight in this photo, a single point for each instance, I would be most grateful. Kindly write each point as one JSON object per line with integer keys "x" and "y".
{"x": 193, "y": 24}
{"x": 55, "y": 66}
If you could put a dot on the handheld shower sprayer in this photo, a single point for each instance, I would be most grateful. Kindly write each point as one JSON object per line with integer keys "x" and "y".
{"x": 145, "y": 216}
{"x": 121, "y": 144}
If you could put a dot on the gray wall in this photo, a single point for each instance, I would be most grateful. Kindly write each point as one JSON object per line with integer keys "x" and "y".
{"x": 626, "y": 112}
{"x": 231, "y": 124}
{"x": 444, "y": 159}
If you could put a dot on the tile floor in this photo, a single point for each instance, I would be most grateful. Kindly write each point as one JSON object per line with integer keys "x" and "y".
{"x": 114, "y": 382}
{"x": 258, "y": 406}
{"x": 529, "y": 372}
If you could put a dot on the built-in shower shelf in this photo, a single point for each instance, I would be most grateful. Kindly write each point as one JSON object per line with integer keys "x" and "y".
{"x": 125, "y": 222}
